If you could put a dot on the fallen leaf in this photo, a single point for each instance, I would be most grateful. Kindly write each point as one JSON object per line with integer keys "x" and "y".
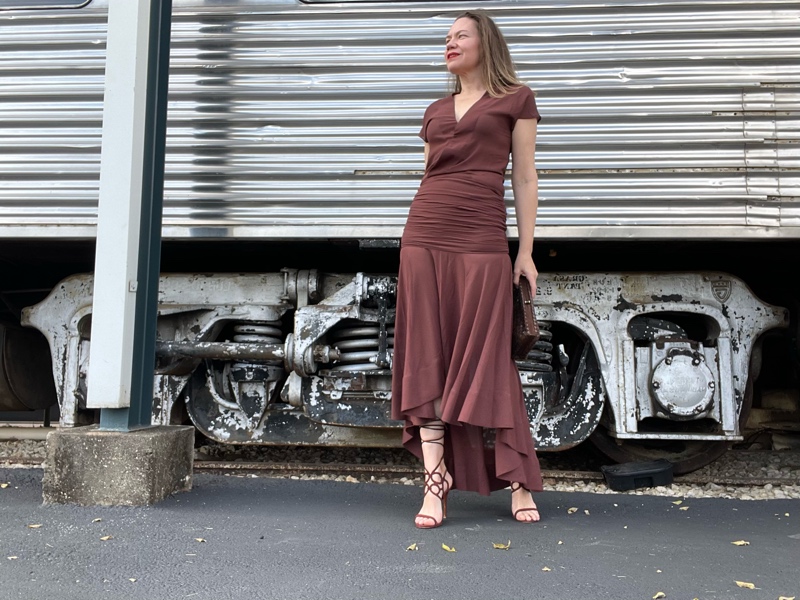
{"x": 785, "y": 597}
{"x": 560, "y": 542}
{"x": 4, "y": 485}
{"x": 684, "y": 508}
{"x": 132, "y": 579}
{"x": 572, "y": 510}
{"x": 658, "y": 570}
{"x": 448, "y": 548}
{"x": 546, "y": 569}
{"x": 97, "y": 520}
{"x": 13, "y": 557}
{"x": 105, "y": 538}
{"x": 785, "y": 514}
{"x": 741, "y": 543}
{"x": 35, "y": 526}
{"x": 201, "y": 540}
{"x": 586, "y": 512}
{"x": 678, "y": 502}
{"x": 412, "y": 547}
{"x": 745, "y": 584}
{"x": 659, "y": 595}
{"x": 502, "y": 546}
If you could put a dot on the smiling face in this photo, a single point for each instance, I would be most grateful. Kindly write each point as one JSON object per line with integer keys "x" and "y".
{"x": 462, "y": 52}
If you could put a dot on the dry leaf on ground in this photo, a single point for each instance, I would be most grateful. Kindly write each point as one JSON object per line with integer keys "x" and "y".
{"x": 4, "y": 485}
{"x": 12, "y": 557}
{"x": 501, "y": 546}
{"x": 785, "y": 597}
{"x": 105, "y": 538}
{"x": 572, "y": 510}
{"x": 201, "y": 540}
{"x": 546, "y": 569}
{"x": 132, "y": 579}
{"x": 684, "y": 508}
{"x": 586, "y": 512}
{"x": 745, "y": 584}
{"x": 560, "y": 542}
{"x": 448, "y": 548}
{"x": 741, "y": 543}
{"x": 659, "y": 595}
{"x": 36, "y": 526}
{"x": 97, "y": 520}
{"x": 678, "y": 502}
{"x": 412, "y": 547}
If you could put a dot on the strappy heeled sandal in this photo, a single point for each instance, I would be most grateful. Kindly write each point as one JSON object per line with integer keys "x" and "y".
{"x": 436, "y": 483}
{"x": 516, "y": 485}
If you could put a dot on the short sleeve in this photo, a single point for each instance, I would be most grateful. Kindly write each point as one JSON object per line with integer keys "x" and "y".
{"x": 423, "y": 133}
{"x": 525, "y": 105}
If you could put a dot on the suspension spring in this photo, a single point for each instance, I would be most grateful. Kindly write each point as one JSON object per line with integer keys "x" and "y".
{"x": 259, "y": 332}
{"x": 358, "y": 345}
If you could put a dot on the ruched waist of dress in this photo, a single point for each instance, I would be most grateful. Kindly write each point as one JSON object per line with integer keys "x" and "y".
{"x": 454, "y": 214}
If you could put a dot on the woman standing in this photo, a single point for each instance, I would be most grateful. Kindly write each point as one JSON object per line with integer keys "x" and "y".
{"x": 455, "y": 383}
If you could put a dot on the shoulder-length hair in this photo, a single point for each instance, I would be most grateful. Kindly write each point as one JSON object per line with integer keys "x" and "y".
{"x": 497, "y": 68}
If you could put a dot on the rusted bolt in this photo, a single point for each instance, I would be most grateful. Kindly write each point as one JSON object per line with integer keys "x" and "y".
{"x": 711, "y": 385}
{"x": 656, "y": 385}
{"x": 668, "y": 361}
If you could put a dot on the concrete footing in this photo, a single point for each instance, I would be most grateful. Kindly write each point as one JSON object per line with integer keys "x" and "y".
{"x": 90, "y": 467}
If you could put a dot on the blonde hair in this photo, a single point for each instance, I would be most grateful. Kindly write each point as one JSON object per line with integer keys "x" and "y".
{"x": 497, "y": 68}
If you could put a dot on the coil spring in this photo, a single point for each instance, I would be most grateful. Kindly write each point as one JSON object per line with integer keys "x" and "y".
{"x": 540, "y": 358}
{"x": 358, "y": 346}
{"x": 259, "y": 332}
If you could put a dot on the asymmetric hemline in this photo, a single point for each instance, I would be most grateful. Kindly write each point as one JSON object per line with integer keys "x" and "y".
{"x": 452, "y": 341}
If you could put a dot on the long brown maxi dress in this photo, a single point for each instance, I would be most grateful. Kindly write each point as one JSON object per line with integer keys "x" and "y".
{"x": 453, "y": 325}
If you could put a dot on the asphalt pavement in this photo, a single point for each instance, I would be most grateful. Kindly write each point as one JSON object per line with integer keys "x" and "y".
{"x": 259, "y": 538}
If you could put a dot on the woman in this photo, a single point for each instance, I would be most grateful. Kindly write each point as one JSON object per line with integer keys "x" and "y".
{"x": 455, "y": 383}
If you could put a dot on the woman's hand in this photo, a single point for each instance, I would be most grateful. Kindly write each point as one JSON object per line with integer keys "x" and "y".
{"x": 524, "y": 266}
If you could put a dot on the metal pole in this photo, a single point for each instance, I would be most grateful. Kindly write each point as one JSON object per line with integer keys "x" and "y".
{"x": 127, "y": 262}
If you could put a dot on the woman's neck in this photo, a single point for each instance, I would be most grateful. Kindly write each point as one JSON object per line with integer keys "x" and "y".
{"x": 471, "y": 84}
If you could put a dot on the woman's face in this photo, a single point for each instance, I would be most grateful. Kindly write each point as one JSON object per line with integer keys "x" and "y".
{"x": 462, "y": 52}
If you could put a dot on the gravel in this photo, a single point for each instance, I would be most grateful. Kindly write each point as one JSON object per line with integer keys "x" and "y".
{"x": 783, "y": 467}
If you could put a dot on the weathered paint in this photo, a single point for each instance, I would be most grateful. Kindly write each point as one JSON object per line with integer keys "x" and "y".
{"x": 630, "y": 360}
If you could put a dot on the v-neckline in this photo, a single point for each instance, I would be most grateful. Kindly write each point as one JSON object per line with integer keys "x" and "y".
{"x": 466, "y": 112}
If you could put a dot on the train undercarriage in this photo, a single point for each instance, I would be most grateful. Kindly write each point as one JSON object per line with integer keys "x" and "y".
{"x": 644, "y": 365}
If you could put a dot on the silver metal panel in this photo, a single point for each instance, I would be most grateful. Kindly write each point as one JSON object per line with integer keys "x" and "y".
{"x": 661, "y": 120}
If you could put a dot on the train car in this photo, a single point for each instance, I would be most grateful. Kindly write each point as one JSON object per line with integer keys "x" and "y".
{"x": 667, "y": 230}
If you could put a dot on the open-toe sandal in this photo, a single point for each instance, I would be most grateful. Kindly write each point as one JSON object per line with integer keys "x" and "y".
{"x": 515, "y": 485}
{"x": 436, "y": 482}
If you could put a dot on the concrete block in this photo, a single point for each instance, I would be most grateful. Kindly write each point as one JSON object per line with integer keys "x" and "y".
{"x": 90, "y": 467}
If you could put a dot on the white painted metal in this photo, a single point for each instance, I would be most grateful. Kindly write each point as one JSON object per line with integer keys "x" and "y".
{"x": 119, "y": 213}
{"x": 195, "y": 308}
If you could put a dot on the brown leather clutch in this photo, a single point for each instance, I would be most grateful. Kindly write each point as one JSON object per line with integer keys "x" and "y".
{"x": 526, "y": 329}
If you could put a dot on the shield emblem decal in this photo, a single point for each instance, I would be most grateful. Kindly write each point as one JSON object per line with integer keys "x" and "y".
{"x": 721, "y": 289}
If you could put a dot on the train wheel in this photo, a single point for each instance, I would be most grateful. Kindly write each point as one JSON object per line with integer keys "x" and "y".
{"x": 685, "y": 455}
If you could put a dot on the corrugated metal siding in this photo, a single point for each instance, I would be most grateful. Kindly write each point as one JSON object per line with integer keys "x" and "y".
{"x": 667, "y": 119}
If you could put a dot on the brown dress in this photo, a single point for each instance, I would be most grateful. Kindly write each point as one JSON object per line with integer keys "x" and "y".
{"x": 453, "y": 325}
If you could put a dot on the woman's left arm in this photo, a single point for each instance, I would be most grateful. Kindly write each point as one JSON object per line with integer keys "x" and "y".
{"x": 525, "y": 184}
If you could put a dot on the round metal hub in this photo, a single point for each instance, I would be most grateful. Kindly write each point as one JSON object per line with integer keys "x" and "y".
{"x": 683, "y": 385}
